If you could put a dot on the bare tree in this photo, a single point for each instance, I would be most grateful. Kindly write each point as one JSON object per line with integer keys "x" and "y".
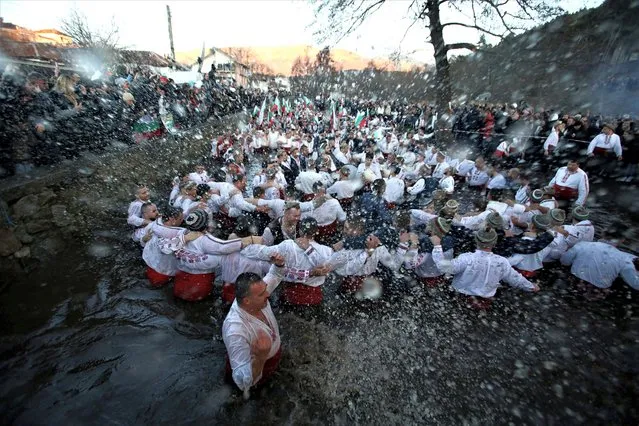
{"x": 77, "y": 27}
{"x": 247, "y": 57}
{"x": 336, "y": 19}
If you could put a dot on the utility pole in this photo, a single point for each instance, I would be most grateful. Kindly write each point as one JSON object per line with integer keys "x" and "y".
{"x": 168, "y": 13}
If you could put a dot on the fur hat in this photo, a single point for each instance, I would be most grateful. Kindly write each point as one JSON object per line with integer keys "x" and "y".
{"x": 580, "y": 213}
{"x": 537, "y": 195}
{"x": 439, "y": 226}
{"x": 197, "y": 220}
{"x": 452, "y": 206}
{"x": 486, "y": 237}
{"x": 495, "y": 221}
{"x": 541, "y": 222}
{"x": 557, "y": 217}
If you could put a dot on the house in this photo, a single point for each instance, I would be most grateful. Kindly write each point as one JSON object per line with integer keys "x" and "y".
{"x": 9, "y": 31}
{"x": 227, "y": 67}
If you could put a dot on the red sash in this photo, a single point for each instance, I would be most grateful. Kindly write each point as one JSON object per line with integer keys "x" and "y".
{"x": 352, "y": 283}
{"x": 228, "y": 292}
{"x": 432, "y": 282}
{"x": 300, "y": 294}
{"x": 270, "y": 367}
{"x": 192, "y": 287}
{"x": 324, "y": 233}
{"x": 477, "y": 303}
{"x": 345, "y": 202}
{"x": 565, "y": 192}
{"x": 601, "y": 152}
{"x": 156, "y": 279}
{"x": 499, "y": 154}
{"x": 526, "y": 274}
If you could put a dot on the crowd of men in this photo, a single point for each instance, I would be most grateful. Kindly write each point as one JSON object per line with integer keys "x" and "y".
{"x": 380, "y": 203}
{"x": 49, "y": 116}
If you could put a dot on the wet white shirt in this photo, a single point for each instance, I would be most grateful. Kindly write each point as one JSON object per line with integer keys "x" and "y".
{"x": 600, "y": 264}
{"x": 575, "y": 180}
{"x": 424, "y": 265}
{"x": 395, "y": 188}
{"x": 240, "y": 330}
{"x": 447, "y": 184}
{"x": 479, "y": 273}
{"x": 299, "y": 259}
{"x": 164, "y": 263}
{"x": 342, "y": 189}
{"x": 440, "y": 169}
{"x": 530, "y": 262}
{"x": 610, "y": 143}
{"x": 551, "y": 140}
{"x": 581, "y": 231}
{"x": 305, "y": 180}
{"x": 497, "y": 182}
{"x": 464, "y": 167}
{"x": 420, "y": 217}
{"x": 239, "y": 262}
{"x": 360, "y": 263}
{"x": 135, "y": 213}
{"x": 205, "y": 254}
{"x": 558, "y": 246}
{"x": 327, "y": 213}
{"x": 477, "y": 177}
{"x": 418, "y": 187}
{"x": 374, "y": 168}
{"x": 474, "y": 222}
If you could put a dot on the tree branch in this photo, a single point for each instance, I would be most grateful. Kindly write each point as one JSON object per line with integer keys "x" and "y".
{"x": 477, "y": 27}
{"x": 455, "y": 46}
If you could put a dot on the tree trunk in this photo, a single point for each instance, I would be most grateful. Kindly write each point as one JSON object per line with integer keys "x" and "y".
{"x": 444, "y": 91}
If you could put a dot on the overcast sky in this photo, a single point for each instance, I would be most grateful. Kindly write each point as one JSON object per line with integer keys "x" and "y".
{"x": 143, "y": 24}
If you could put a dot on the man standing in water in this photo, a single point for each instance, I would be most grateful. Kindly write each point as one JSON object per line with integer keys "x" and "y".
{"x": 250, "y": 330}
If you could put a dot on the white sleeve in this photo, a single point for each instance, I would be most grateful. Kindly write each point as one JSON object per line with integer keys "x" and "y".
{"x": 421, "y": 217}
{"x": 238, "y": 347}
{"x": 417, "y": 188}
{"x": 617, "y": 147}
{"x": 629, "y": 275}
{"x": 306, "y": 206}
{"x": 517, "y": 280}
{"x": 583, "y": 190}
{"x": 273, "y": 278}
{"x": 212, "y": 245}
{"x": 550, "y": 138}
{"x": 341, "y": 216}
{"x": 135, "y": 213}
{"x": 239, "y": 203}
{"x": 267, "y": 237}
{"x": 174, "y": 193}
{"x": 394, "y": 261}
{"x": 453, "y": 267}
{"x": 569, "y": 256}
{"x": 593, "y": 144}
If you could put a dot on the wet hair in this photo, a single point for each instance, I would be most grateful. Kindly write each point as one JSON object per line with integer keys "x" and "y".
{"x": 243, "y": 285}
{"x": 243, "y": 227}
{"x": 258, "y": 191}
{"x": 378, "y": 185}
{"x": 317, "y": 186}
{"x": 145, "y": 207}
{"x": 308, "y": 227}
{"x": 291, "y": 205}
{"x": 202, "y": 189}
{"x": 370, "y": 155}
{"x": 170, "y": 212}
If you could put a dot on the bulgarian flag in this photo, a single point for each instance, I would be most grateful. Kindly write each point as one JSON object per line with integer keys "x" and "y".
{"x": 360, "y": 119}
{"x": 276, "y": 105}
{"x": 256, "y": 111}
{"x": 260, "y": 118}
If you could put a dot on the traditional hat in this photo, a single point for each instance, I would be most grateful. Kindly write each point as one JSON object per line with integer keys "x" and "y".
{"x": 495, "y": 221}
{"x": 196, "y": 220}
{"x": 541, "y": 222}
{"x": 608, "y": 125}
{"x": 440, "y": 226}
{"x": 486, "y": 236}
{"x": 451, "y": 206}
{"x": 557, "y": 217}
{"x": 537, "y": 195}
{"x": 580, "y": 213}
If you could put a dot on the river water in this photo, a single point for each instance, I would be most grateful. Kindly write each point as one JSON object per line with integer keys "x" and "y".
{"x": 87, "y": 341}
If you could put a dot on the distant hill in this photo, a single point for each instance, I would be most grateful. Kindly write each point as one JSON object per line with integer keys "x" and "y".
{"x": 280, "y": 58}
{"x": 587, "y": 60}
